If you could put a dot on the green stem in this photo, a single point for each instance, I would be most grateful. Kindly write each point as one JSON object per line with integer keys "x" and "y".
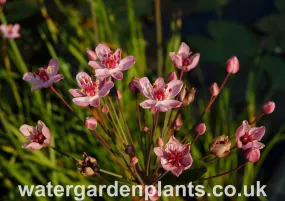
{"x": 111, "y": 173}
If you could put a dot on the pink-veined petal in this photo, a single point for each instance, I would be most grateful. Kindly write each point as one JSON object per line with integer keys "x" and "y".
{"x": 257, "y": 132}
{"x": 82, "y": 101}
{"x": 118, "y": 75}
{"x": 176, "y": 86}
{"x": 101, "y": 50}
{"x": 82, "y": 76}
{"x": 102, "y": 73}
{"x": 96, "y": 65}
{"x": 148, "y": 103}
{"x": 95, "y": 102}
{"x": 194, "y": 62}
{"x": 146, "y": 87}
{"x": 105, "y": 89}
{"x": 159, "y": 83}
{"x": 53, "y": 63}
{"x": 159, "y": 152}
{"x": 183, "y": 48}
{"x": 126, "y": 63}
{"x": 32, "y": 146}
{"x": 76, "y": 93}
{"x": 242, "y": 129}
{"x": 169, "y": 103}
{"x": 30, "y": 77}
{"x": 26, "y": 130}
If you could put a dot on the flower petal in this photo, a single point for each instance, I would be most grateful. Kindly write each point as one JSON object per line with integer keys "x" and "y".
{"x": 82, "y": 101}
{"x": 176, "y": 86}
{"x": 242, "y": 129}
{"x": 257, "y": 132}
{"x": 146, "y": 87}
{"x": 176, "y": 59}
{"x": 177, "y": 171}
{"x": 159, "y": 152}
{"x": 118, "y": 75}
{"x": 95, "y": 102}
{"x": 30, "y": 77}
{"x": 159, "y": 83}
{"x": 45, "y": 130}
{"x": 32, "y": 146}
{"x": 194, "y": 62}
{"x": 53, "y": 63}
{"x": 183, "y": 48}
{"x": 57, "y": 78}
{"x": 169, "y": 103}
{"x": 82, "y": 76}
{"x": 105, "y": 89}
{"x": 102, "y": 73}
{"x": 126, "y": 63}
{"x": 39, "y": 86}
{"x": 148, "y": 103}
{"x": 96, "y": 65}
{"x": 101, "y": 50}
{"x": 76, "y": 93}
{"x": 26, "y": 130}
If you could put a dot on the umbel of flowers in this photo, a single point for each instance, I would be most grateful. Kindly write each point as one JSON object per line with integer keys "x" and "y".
{"x": 159, "y": 158}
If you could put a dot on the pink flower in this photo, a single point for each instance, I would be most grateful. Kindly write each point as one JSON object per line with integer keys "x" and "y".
{"x": 232, "y": 65}
{"x": 45, "y": 76}
{"x": 183, "y": 59}
{"x": 2, "y": 2}
{"x": 38, "y": 136}
{"x": 110, "y": 64}
{"x": 10, "y": 31}
{"x": 247, "y": 137}
{"x": 253, "y": 154}
{"x": 268, "y": 107}
{"x": 175, "y": 157}
{"x": 91, "y": 123}
{"x": 160, "y": 95}
{"x": 90, "y": 90}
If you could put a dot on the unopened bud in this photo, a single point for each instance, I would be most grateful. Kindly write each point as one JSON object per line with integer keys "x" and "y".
{"x": 214, "y": 89}
{"x": 119, "y": 94}
{"x": 189, "y": 98}
{"x": 232, "y": 65}
{"x": 182, "y": 94}
{"x": 146, "y": 129}
{"x": 220, "y": 146}
{"x": 91, "y": 123}
{"x": 130, "y": 150}
{"x": 92, "y": 56}
{"x": 159, "y": 142}
{"x": 105, "y": 108}
{"x": 200, "y": 129}
{"x": 172, "y": 76}
{"x": 134, "y": 160}
{"x": 178, "y": 124}
{"x": 268, "y": 107}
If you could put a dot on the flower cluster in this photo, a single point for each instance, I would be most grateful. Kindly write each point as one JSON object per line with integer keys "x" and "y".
{"x": 160, "y": 97}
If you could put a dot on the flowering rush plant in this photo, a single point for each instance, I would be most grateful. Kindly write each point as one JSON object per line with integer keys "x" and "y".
{"x": 156, "y": 154}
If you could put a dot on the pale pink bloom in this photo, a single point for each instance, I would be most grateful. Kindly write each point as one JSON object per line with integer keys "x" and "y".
{"x": 39, "y": 136}
{"x": 214, "y": 89}
{"x": 109, "y": 63}
{"x": 200, "y": 129}
{"x": 247, "y": 137}
{"x": 2, "y": 2}
{"x": 91, "y": 123}
{"x": 10, "y": 31}
{"x": 172, "y": 76}
{"x": 253, "y": 154}
{"x": 90, "y": 90}
{"x": 45, "y": 76}
{"x": 232, "y": 65}
{"x": 175, "y": 157}
{"x": 268, "y": 107}
{"x": 183, "y": 59}
{"x": 160, "y": 96}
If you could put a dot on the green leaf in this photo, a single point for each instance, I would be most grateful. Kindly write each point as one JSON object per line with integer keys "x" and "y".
{"x": 280, "y": 5}
{"x": 272, "y": 24}
{"x": 197, "y": 170}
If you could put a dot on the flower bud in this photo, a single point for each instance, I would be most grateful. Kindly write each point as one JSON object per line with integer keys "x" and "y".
{"x": 200, "y": 129}
{"x": 159, "y": 142}
{"x": 189, "y": 98}
{"x": 220, "y": 146}
{"x": 105, "y": 108}
{"x": 232, "y": 65}
{"x": 146, "y": 129}
{"x": 214, "y": 89}
{"x": 134, "y": 160}
{"x": 92, "y": 56}
{"x": 172, "y": 76}
{"x": 91, "y": 123}
{"x": 182, "y": 94}
{"x": 178, "y": 124}
{"x": 130, "y": 150}
{"x": 119, "y": 94}
{"x": 89, "y": 165}
{"x": 2, "y": 2}
{"x": 268, "y": 107}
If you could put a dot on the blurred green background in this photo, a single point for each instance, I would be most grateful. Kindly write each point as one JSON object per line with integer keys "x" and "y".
{"x": 253, "y": 30}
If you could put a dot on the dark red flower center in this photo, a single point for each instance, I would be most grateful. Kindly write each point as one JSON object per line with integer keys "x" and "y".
{"x": 246, "y": 138}
{"x": 161, "y": 94}
{"x": 43, "y": 73}
{"x": 185, "y": 62}
{"x": 175, "y": 159}
{"x": 39, "y": 138}
{"x": 111, "y": 60}
{"x": 89, "y": 86}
